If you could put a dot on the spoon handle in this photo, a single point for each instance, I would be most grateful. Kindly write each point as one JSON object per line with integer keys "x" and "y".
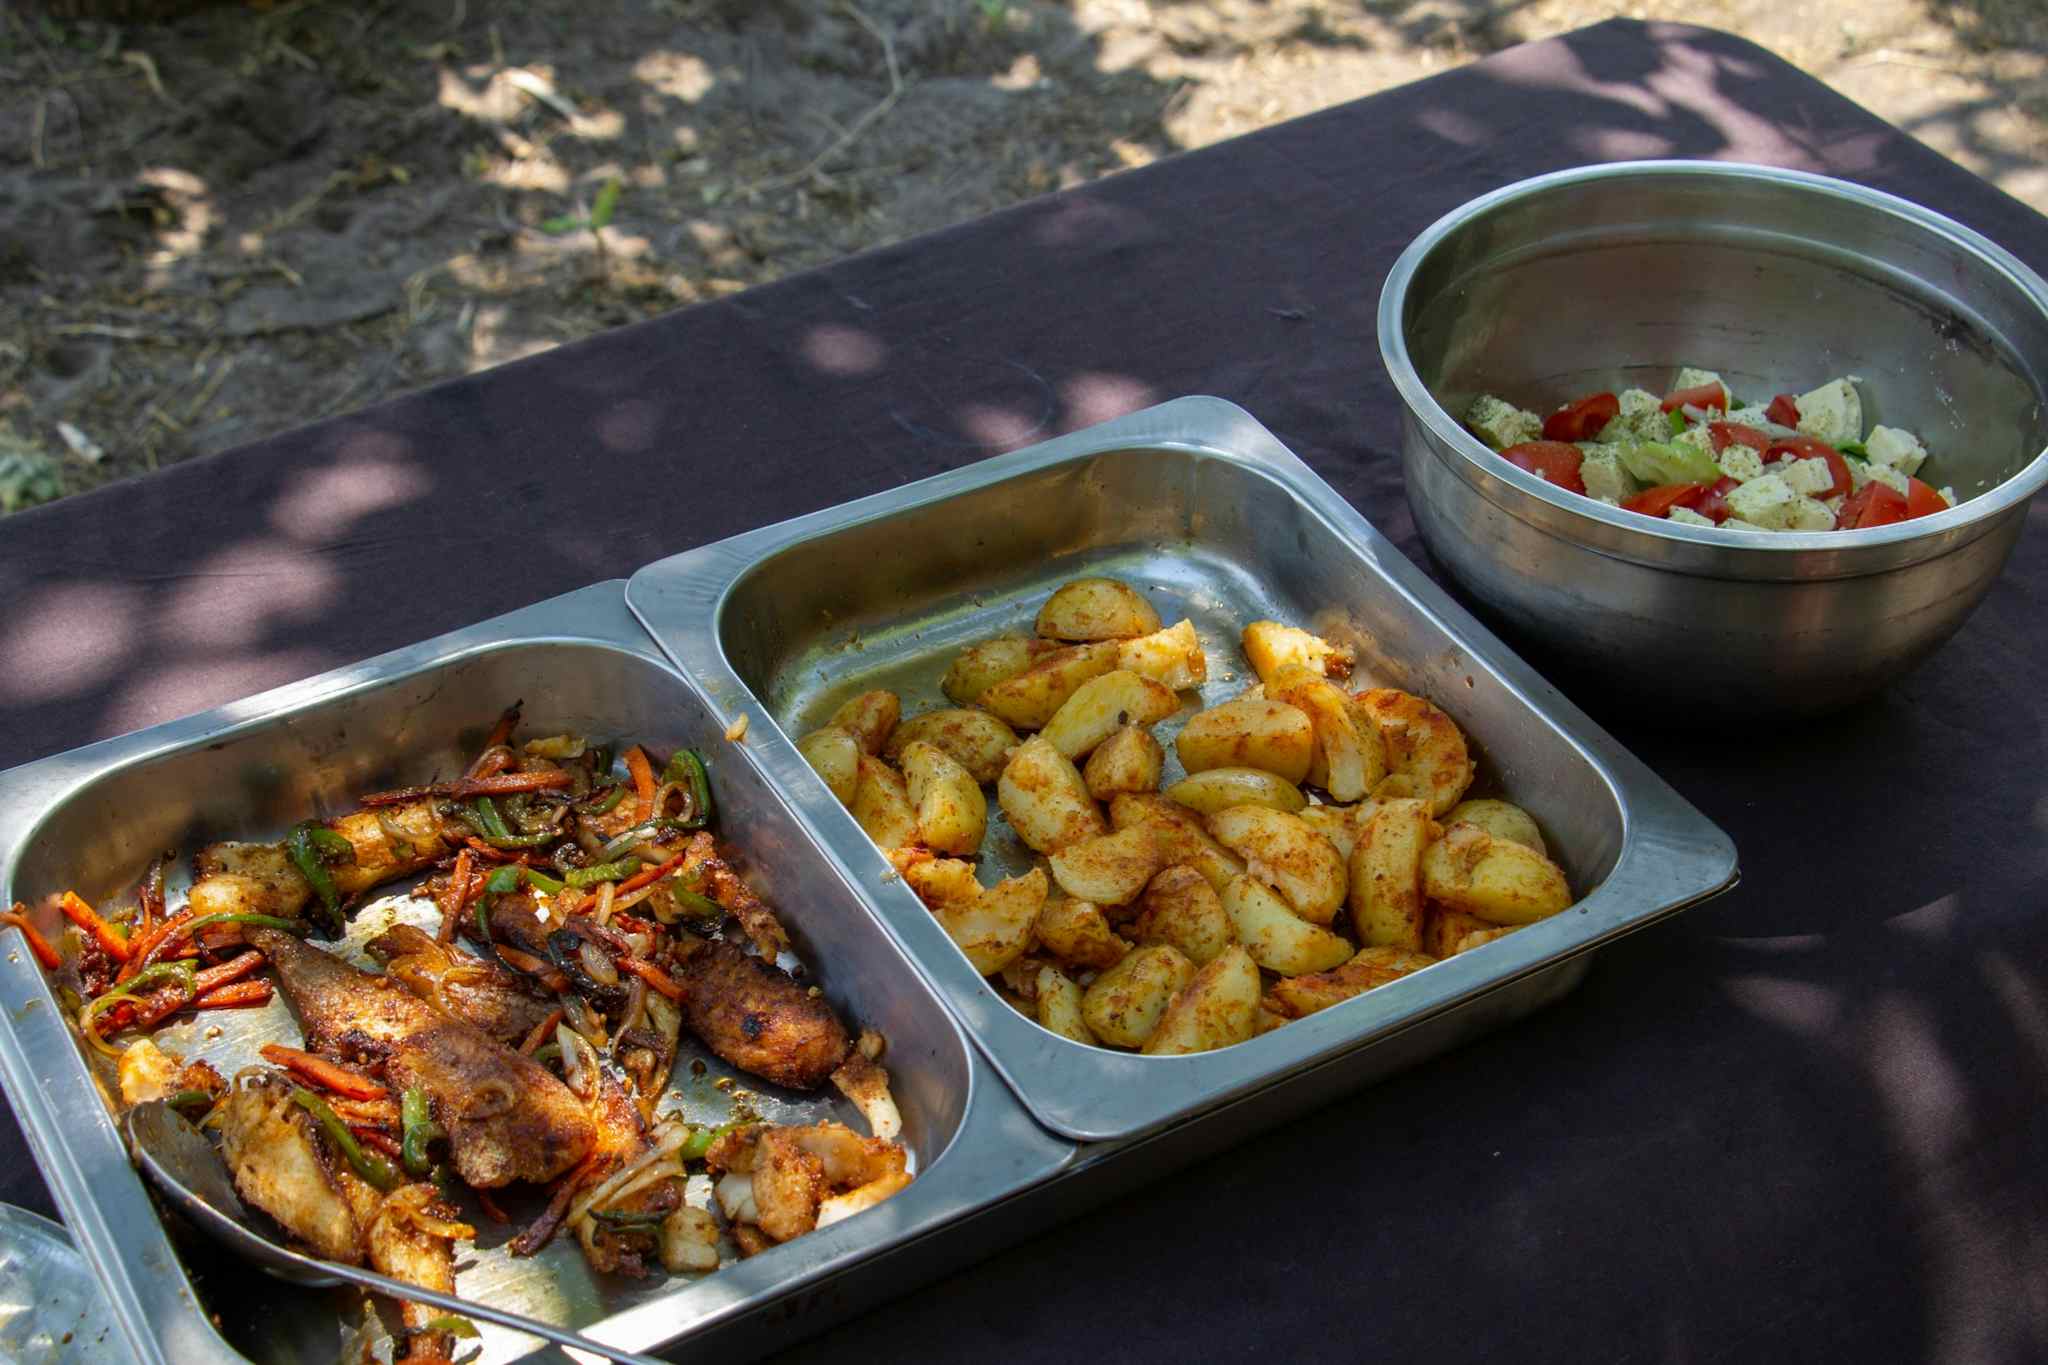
{"x": 399, "y": 1289}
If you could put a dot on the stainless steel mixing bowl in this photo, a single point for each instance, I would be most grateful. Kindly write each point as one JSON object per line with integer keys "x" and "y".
{"x": 1610, "y": 276}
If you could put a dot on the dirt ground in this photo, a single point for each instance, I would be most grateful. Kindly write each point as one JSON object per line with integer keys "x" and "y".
{"x": 251, "y": 217}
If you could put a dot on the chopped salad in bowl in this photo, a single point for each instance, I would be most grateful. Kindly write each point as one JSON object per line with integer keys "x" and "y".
{"x": 1700, "y": 456}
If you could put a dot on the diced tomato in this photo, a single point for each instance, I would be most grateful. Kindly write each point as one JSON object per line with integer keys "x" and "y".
{"x": 1714, "y": 502}
{"x": 1552, "y": 461}
{"x": 1807, "y": 448}
{"x": 1725, "y": 434}
{"x": 1875, "y": 504}
{"x": 1699, "y": 396}
{"x": 1784, "y": 410}
{"x": 1582, "y": 420}
{"x": 1922, "y": 500}
{"x": 1656, "y": 502}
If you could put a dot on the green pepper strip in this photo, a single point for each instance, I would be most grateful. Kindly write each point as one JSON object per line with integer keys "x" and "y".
{"x": 306, "y": 855}
{"x": 601, "y": 760}
{"x": 611, "y": 800}
{"x": 449, "y": 1325}
{"x": 185, "y": 1097}
{"x": 493, "y": 823}
{"x": 696, "y": 903}
{"x": 628, "y": 1218}
{"x": 547, "y": 1052}
{"x": 416, "y": 1120}
{"x": 1677, "y": 422}
{"x": 687, "y": 766}
{"x": 482, "y": 815}
{"x": 603, "y": 872}
{"x": 699, "y": 1142}
{"x": 333, "y": 845}
{"x": 504, "y": 881}
{"x": 371, "y": 1166}
{"x": 541, "y": 881}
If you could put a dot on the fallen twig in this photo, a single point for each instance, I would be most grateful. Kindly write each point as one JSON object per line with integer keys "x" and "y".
{"x": 858, "y": 127}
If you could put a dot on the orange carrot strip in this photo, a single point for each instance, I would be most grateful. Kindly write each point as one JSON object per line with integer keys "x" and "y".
{"x": 454, "y": 897}
{"x": 533, "y": 966}
{"x": 647, "y": 876}
{"x": 86, "y": 918}
{"x": 490, "y": 1207}
{"x": 234, "y": 969}
{"x": 545, "y": 1029}
{"x": 501, "y": 733}
{"x": 652, "y": 975}
{"x": 325, "y": 1073}
{"x": 37, "y": 944}
{"x": 643, "y": 784}
{"x": 236, "y": 995}
{"x": 147, "y": 947}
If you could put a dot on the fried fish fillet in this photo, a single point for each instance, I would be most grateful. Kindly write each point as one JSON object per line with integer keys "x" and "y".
{"x": 461, "y": 985}
{"x": 507, "y": 1118}
{"x": 754, "y": 1015}
{"x": 239, "y": 878}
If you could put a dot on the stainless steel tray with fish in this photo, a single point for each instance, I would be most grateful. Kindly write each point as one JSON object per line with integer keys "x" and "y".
{"x": 92, "y": 819}
{"x": 1211, "y": 518}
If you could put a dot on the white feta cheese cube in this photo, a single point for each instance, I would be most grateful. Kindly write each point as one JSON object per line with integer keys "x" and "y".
{"x": 1740, "y": 463}
{"x": 1604, "y": 477}
{"x": 1685, "y": 516}
{"x": 1833, "y": 412}
{"x": 1697, "y": 437}
{"x": 1808, "y": 476}
{"x": 1948, "y": 494}
{"x": 1901, "y": 450}
{"x": 1690, "y": 378}
{"x": 1638, "y": 402}
{"x": 1834, "y": 504}
{"x": 1884, "y": 474}
{"x": 1809, "y": 514}
{"x": 1765, "y": 501}
{"x": 1738, "y": 524}
{"x": 1751, "y": 416}
{"x": 1500, "y": 423}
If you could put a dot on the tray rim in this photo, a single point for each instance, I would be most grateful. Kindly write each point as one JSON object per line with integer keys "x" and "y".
{"x": 78, "y": 1150}
{"x": 1670, "y": 850}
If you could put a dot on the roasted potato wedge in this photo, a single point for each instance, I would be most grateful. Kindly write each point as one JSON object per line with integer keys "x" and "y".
{"x": 1341, "y": 825}
{"x": 1284, "y": 852}
{"x": 1059, "y": 1006}
{"x": 1300, "y": 996}
{"x": 1423, "y": 744}
{"x": 1172, "y": 656}
{"x": 1249, "y": 734}
{"x": 1350, "y": 758}
{"x": 1125, "y": 1003}
{"x": 869, "y": 718}
{"x": 1031, "y": 698}
{"x": 1498, "y": 880}
{"x": 952, "y": 814}
{"x": 1220, "y": 1006}
{"x": 1181, "y": 908}
{"x": 1386, "y": 875}
{"x": 1128, "y": 761}
{"x": 1100, "y": 706}
{"x": 1214, "y": 789}
{"x": 937, "y": 881}
{"x": 1045, "y": 800}
{"x": 881, "y": 805}
{"x": 976, "y": 740}
{"x": 994, "y": 928}
{"x": 1501, "y": 819}
{"x": 1075, "y": 932}
{"x": 977, "y": 668}
{"x": 1277, "y": 938}
{"x": 1447, "y": 932}
{"x": 1109, "y": 869}
{"x": 835, "y": 755}
{"x": 1177, "y": 833}
{"x": 1271, "y": 646}
{"x": 1096, "y": 609}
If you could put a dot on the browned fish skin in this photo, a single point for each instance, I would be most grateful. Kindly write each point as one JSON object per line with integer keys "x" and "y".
{"x": 459, "y": 984}
{"x": 282, "y": 1168}
{"x": 507, "y": 1117}
{"x": 755, "y": 1016}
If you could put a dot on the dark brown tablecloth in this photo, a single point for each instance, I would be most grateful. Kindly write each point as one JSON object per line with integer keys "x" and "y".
{"x": 1809, "y": 1120}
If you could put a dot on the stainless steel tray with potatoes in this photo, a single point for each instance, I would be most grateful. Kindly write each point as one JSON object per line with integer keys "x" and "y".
{"x": 1118, "y": 830}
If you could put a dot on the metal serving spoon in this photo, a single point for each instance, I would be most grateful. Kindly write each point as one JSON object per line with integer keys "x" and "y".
{"x": 185, "y": 1166}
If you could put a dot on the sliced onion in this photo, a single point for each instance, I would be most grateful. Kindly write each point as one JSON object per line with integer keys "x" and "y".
{"x": 598, "y": 963}
{"x": 667, "y": 1137}
{"x": 579, "y": 1063}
